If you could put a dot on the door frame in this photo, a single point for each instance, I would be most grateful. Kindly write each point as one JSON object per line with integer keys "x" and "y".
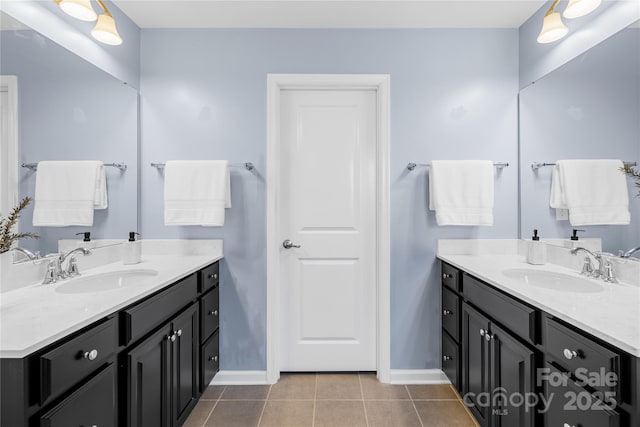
{"x": 380, "y": 83}
{"x": 9, "y": 84}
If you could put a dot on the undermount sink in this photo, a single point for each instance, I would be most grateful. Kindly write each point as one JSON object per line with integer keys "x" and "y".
{"x": 106, "y": 281}
{"x": 551, "y": 280}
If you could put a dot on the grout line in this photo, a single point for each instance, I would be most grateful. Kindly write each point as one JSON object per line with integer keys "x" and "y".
{"x": 214, "y": 407}
{"x": 265, "y": 405}
{"x": 315, "y": 398}
{"x": 413, "y": 403}
{"x": 364, "y": 407}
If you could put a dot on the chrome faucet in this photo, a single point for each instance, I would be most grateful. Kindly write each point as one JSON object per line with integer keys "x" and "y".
{"x": 630, "y": 252}
{"x": 55, "y": 270}
{"x": 587, "y": 266}
{"x": 32, "y": 256}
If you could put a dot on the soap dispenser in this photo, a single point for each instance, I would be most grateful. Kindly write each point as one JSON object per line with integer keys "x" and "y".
{"x": 537, "y": 250}
{"x": 132, "y": 250}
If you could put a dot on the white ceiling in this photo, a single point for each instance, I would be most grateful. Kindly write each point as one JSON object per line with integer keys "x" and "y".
{"x": 329, "y": 13}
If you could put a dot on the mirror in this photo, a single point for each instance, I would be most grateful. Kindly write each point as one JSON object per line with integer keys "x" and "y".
{"x": 587, "y": 109}
{"x": 68, "y": 109}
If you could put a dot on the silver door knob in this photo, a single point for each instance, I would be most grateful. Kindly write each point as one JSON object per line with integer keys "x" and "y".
{"x": 91, "y": 355}
{"x": 288, "y": 244}
{"x": 447, "y": 312}
{"x": 570, "y": 354}
{"x": 482, "y": 332}
{"x": 446, "y": 358}
{"x": 488, "y": 337}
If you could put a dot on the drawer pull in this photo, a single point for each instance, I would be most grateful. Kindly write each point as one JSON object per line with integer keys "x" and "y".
{"x": 568, "y": 425}
{"x": 212, "y": 276}
{"x": 447, "y": 312}
{"x": 178, "y": 332}
{"x": 446, "y": 358}
{"x": 482, "y": 332}
{"x": 91, "y": 355}
{"x": 213, "y": 313}
{"x": 570, "y": 354}
{"x": 447, "y": 276}
{"x": 213, "y": 358}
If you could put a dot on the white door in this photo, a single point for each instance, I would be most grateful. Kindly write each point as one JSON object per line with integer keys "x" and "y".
{"x": 328, "y": 208}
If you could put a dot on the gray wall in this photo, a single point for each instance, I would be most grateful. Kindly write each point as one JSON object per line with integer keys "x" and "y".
{"x": 453, "y": 96}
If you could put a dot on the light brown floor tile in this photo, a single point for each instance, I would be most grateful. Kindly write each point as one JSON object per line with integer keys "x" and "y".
{"x": 245, "y": 392}
{"x": 338, "y": 386}
{"x": 444, "y": 413}
{"x": 199, "y": 414}
{"x": 237, "y": 413}
{"x": 294, "y": 387}
{"x": 335, "y": 413}
{"x": 212, "y": 392}
{"x": 288, "y": 413}
{"x": 374, "y": 389}
{"x": 431, "y": 391}
{"x": 391, "y": 413}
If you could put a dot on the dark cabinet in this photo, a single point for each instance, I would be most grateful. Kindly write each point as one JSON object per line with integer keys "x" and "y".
{"x": 162, "y": 374}
{"x": 498, "y": 373}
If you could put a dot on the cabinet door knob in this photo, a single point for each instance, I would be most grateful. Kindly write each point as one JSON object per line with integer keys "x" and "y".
{"x": 213, "y": 313}
{"x": 212, "y": 276}
{"x": 447, "y": 312}
{"x": 178, "y": 332}
{"x": 568, "y": 425}
{"x": 91, "y": 355}
{"x": 213, "y": 358}
{"x": 447, "y": 276}
{"x": 171, "y": 338}
{"x": 482, "y": 332}
{"x": 488, "y": 337}
{"x": 446, "y": 358}
{"x": 570, "y": 354}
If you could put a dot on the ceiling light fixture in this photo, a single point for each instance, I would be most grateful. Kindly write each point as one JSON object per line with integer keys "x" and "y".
{"x": 105, "y": 30}
{"x": 578, "y": 8}
{"x": 552, "y": 26}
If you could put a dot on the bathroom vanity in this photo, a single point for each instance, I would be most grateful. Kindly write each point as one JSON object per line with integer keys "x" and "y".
{"x": 144, "y": 361}
{"x": 523, "y": 354}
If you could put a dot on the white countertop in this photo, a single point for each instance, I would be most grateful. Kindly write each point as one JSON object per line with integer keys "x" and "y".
{"x": 612, "y": 315}
{"x": 35, "y": 316}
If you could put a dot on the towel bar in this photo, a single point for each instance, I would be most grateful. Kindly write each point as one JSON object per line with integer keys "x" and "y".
{"x": 248, "y": 165}
{"x": 538, "y": 165}
{"x": 411, "y": 166}
{"x": 120, "y": 165}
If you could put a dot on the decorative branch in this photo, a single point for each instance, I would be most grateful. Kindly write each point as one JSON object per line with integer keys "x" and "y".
{"x": 7, "y": 238}
{"x": 634, "y": 174}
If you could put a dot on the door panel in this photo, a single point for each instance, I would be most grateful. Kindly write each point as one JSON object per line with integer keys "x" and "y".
{"x": 327, "y": 206}
{"x": 475, "y": 362}
{"x": 185, "y": 364}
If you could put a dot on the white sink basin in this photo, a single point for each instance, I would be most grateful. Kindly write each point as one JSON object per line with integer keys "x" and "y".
{"x": 554, "y": 281}
{"x": 106, "y": 281}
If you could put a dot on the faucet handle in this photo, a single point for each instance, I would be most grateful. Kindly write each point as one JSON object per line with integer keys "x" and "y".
{"x": 72, "y": 268}
{"x": 587, "y": 267}
{"x": 50, "y": 275}
{"x": 609, "y": 275}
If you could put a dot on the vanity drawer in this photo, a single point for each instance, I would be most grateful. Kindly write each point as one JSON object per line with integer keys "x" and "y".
{"x": 93, "y": 404}
{"x": 512, "y": 314}
{"x": 571, "y": 405}
{"x": 74, "y": 360}
{"x": 209, "y": 313}
{"x": 151, "y": 313}
{"x": 450, "y": 360}
{"x": 450, "y": 276}
{"x": 572, "y": 351}
{"x": 209, "y": 360}
{"x": 209, "y": 277}
{"x": 451, "y": 313}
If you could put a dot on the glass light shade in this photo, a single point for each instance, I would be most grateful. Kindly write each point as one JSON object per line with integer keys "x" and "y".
{"x": 552, "y": 29}
{"x": 578, "y": 8}
{"x": 79, "y": 9}
{"x": 105, "y": 31}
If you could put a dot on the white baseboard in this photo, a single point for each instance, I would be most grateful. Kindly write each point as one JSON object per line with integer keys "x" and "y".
{"x": 240, "y": 378}
{"x": 418, "y": 376}
{"x": 398, "y": 376}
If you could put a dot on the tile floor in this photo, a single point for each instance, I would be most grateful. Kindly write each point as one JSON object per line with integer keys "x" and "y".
{"x": 330, "y": 400}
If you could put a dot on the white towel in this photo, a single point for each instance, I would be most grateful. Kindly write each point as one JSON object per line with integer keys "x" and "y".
{"x": 196, "y": 192}
{"x": 67, "y": 192}
{"x": 461, "y": 191}
{"x": 594, "y": 191}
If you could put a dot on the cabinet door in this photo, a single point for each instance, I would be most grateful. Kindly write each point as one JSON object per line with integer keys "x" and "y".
{"x": 148, "y": 381}
{"x": 475, "y": 363}
{"x": 185, "y": 364}
{"x": 512, "y": 376}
